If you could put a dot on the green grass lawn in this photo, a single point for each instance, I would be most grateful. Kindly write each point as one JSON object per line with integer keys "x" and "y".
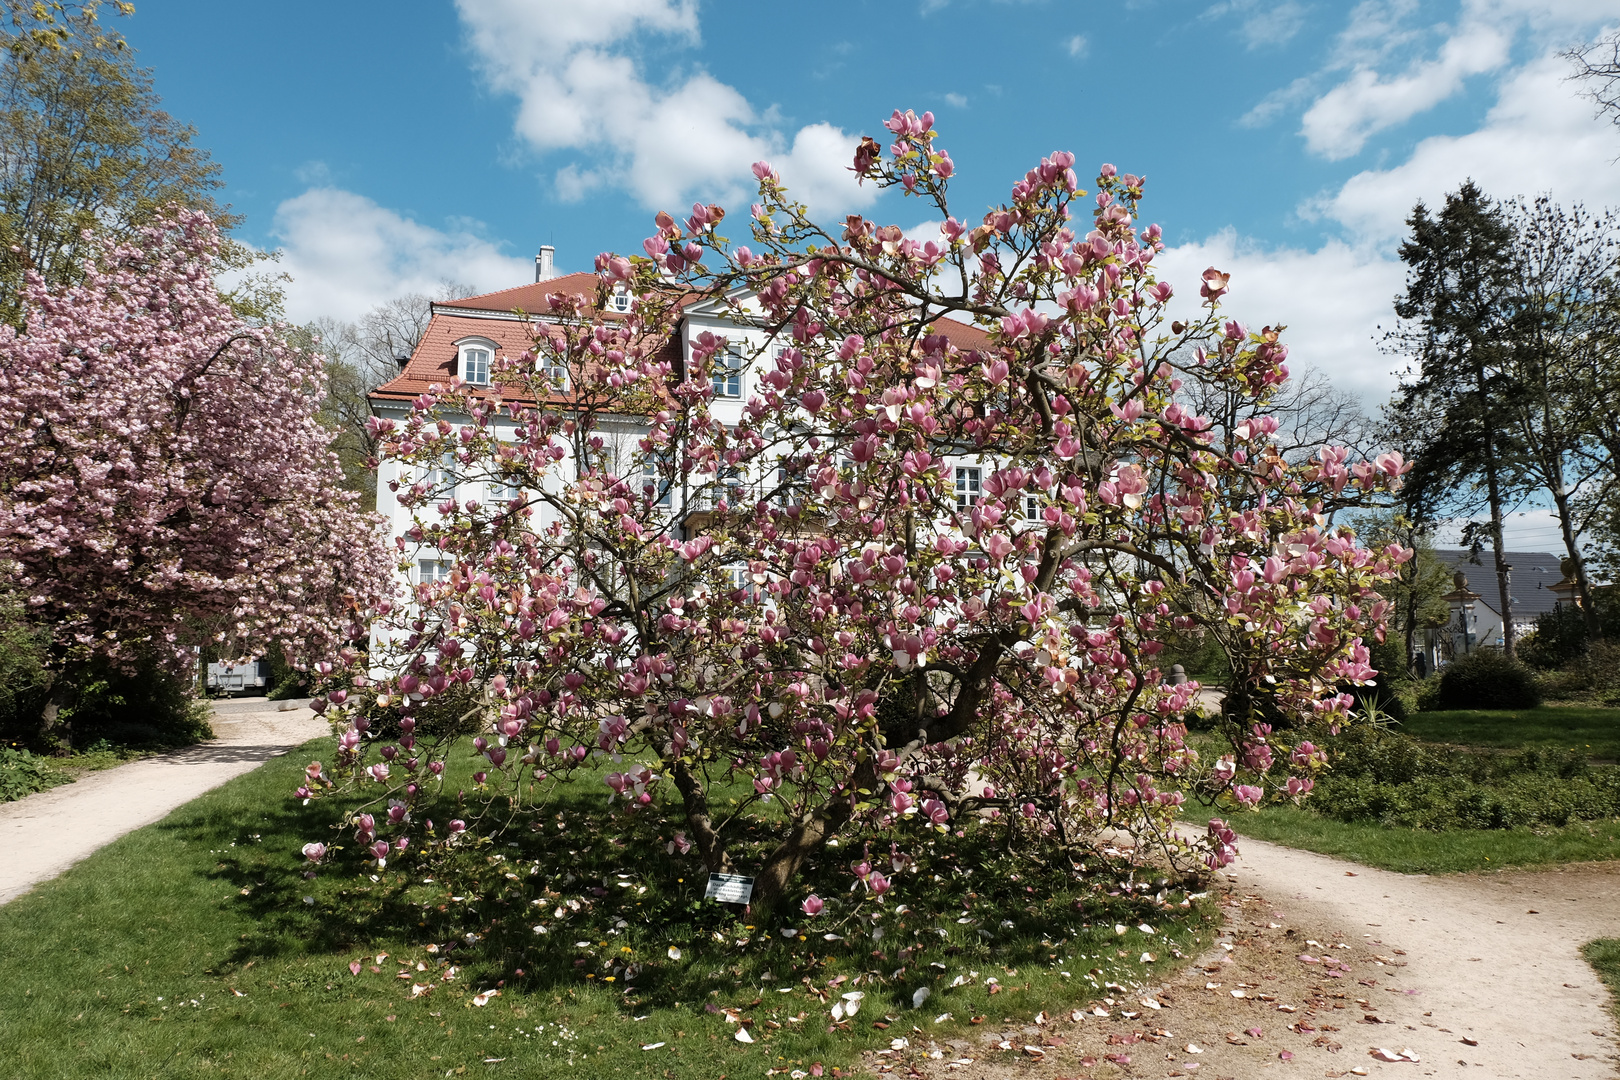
{"x": 1420, "y": 851}
{"x": 195, "y": 947}
{"x": 1595, "y": 730}
{"x": 1604, "y": 956}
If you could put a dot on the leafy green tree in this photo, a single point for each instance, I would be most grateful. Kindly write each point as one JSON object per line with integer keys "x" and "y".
{"x": 1453, "y": 409}
{"x": 1422, "y": 580}
{"x": 1564, "y": 364}
{"x": 83, "y": 143}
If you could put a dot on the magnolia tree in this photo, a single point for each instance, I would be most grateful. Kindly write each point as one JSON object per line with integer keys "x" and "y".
{"x": 164, "y": 482}
{"x": 836, "y": 633}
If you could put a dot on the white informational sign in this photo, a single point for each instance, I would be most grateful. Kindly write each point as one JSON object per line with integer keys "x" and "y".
{"x": 729, "y": 888}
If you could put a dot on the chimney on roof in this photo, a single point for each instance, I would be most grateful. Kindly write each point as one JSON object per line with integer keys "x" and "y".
{"x": 543, "y": 263}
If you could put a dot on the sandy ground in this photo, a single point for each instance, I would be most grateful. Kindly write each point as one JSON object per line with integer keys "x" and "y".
{"x": 1470, "y": 975}
{"x": 45, "y": 833}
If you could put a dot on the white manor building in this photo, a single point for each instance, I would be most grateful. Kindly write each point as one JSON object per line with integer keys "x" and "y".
{"x": 465, "y": 337}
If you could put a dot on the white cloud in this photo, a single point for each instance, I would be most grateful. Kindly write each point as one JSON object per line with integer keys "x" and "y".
{"x": 1369, "y": 98}
{"x": 1276, "y": 102}
{"x": 956, "y": 101}
{"x": 1078, "y": 46}
{"x": 345, "y": 254}
{"x": 580, "y": 86}
{"x": 313, "y": 172}
{"x": 1262, "y": 23}
{"x": 1339, "y": 123}
{"x": 1538, "y": 137}
{"x": 1332, "y": 300}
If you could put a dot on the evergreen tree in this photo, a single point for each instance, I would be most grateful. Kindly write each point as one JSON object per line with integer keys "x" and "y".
{"x": 1454, "y": 408}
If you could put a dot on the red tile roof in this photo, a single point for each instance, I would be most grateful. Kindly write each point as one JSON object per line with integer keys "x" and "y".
{"x": 962, "y": 335}
{"x": 434, "y": 359}
{"x": 530, "y": 299}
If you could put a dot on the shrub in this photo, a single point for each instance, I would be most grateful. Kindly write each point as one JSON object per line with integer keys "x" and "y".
{"x": 1200, "y": 656}
{"x": 1426, "y": 694}
{"x": 1593, "y": 676}
{"x": 1385, "y": 695}
{"x": 1487, "y": 679}
{"x": 25, "y": 682}
{"x": 447, "y": 716}
{"x": 145, "y": 707}
{"x": 1559, "y": 638}
{"x": 285, "y": 680}
{"x": 21, "y": 773}
{"x": 1399, "y": 782}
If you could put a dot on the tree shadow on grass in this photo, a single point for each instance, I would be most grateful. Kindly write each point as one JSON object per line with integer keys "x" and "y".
{"x": 611, "y": 902}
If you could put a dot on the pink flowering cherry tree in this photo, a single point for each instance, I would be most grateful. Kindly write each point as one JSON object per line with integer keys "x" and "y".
{"x": 164, "y": 482}
{"x": 805, "y": 607}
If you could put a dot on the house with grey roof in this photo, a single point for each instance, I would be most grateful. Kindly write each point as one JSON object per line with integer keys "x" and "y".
{"x": 1530, "y": 579}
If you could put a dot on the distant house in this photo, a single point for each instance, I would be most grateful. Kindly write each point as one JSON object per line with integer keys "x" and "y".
{"x": 1531, "y": 577}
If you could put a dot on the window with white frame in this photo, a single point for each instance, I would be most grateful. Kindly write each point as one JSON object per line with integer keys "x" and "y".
{"x": 551, "y": 367}
{"x": 1032, "y": 507}
{"x": 654, "y": 484}
{"x": 429, "y": 571}
{"x": 741, "y": 579}
{"x": 728, "y": 485}
{"x": 728, "y": 367}
{"x": 967, "y": 486}
{"x": 502, "y": 490}
{"x": 475, "y": 362}
{"x": 788, "y": 488}
{"x": 441, "y": 478}
{"x": 619, "y": 299}
{"x": 601, "y": 455}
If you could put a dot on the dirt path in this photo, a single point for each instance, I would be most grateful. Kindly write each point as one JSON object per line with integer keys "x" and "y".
{"x": 45, "y": 833}
{"x": 1471, "y": 975}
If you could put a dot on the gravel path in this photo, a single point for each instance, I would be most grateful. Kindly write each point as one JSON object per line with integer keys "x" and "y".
{"x": 1489, "y": 958}
{"x": 45, "y": 833}
{"x": 1326, "y": 969}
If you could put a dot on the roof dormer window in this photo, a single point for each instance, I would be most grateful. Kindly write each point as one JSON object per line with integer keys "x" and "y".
{"x": 619, "y": 299}
{"x": 474, "y": 361}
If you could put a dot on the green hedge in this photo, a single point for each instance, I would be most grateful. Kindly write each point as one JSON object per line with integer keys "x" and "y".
{"x": 1397, "y": 781}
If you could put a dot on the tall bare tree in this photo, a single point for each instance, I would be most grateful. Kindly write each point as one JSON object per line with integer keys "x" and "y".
{"x": 1597, "y": 69}
{"x": 361, "y": 356}
{"x": 1565, "y": 365}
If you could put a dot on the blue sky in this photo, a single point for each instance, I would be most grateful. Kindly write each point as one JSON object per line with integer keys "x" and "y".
{"x": 384, "y": 147}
